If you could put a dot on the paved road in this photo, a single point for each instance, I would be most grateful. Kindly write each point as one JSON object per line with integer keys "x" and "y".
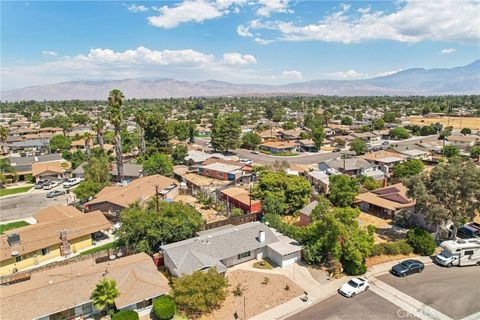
{"x": 436, "y": 293}
{"x": 24, "y": 205}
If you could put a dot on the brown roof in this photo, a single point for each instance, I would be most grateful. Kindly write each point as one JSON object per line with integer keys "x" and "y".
{"x": 279, "y": 144}
{"x": 53, "y": 213}
{"x": 382, "y": 154}
{"x": 140, "y": 189}
{"x": 392, "y": 197}
{"x": 462, "y": 138}
{"x": 42, "y": 167}
{"x": 62, "y": 288}
{"x": 78, "y": 143}
{"x": 41, "y": 235}
{"x": 239, "y": 194}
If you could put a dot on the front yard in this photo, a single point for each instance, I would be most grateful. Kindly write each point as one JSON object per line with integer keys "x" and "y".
{"x": 12, "y": 225}
{"x": 260, "y": 291}
{"x": 7, "y": 192}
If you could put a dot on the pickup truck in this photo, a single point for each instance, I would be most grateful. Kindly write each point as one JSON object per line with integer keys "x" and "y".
{"x": 72, "y": 182}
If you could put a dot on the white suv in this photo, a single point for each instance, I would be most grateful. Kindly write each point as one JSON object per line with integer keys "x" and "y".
{"x": 353, "y": 287}
{"x": 72, "y": 182}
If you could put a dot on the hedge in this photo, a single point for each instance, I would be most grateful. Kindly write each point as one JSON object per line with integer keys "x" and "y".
{"x": 421, "y": 241}
{"x": 392, "y": 248}
{"x": 125, "y": 315}
{"x": 164, "y": 307}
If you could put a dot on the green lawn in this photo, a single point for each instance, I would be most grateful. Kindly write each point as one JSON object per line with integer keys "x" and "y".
{"x": 12, "y": 225}
{"x": 6, "y": 192}
{"x": 106, "y": 246}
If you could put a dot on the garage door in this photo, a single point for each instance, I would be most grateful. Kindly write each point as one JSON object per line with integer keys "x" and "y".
{"x": 290, "y": 259}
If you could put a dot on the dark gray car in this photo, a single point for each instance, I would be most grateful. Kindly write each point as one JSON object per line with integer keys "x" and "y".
{"x": 407, "y": 267}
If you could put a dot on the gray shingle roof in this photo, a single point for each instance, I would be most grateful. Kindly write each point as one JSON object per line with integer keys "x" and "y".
{"x": 207, "y": 250}
{"x": 307, "y": 210}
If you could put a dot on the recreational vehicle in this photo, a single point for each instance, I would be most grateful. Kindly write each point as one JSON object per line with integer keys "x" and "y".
{"x": 464, "y": 252}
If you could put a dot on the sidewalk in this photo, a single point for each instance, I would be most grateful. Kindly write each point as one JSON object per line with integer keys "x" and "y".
{"x": 323, "y": 292}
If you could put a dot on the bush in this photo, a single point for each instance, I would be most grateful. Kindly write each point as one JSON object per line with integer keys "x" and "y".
{"x": 392, "y": 248}
{"x": 354, "y": 268}
{"x": 125, "y": 315}
{"x": 164, "y": 307}
{"x": 29, "y": 178}
{"x": 421, "y": 241}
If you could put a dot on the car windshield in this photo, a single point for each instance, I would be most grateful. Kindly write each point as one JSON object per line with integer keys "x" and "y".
{"x": 352, "y": 283}
{"x": 446, "y": 254}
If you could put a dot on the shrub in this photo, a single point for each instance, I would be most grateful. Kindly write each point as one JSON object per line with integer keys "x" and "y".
{"x": 421, "y": 241}
{"x": 164, "y": 307}
{"x": 354, "y": 268}
{"x": 392, "y": 248}
{"x": 125, "y": 315}
{"x": 239, "y": 290}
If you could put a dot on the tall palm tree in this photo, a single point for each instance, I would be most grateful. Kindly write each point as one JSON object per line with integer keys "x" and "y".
{"x": 104, "y": 294}
{"x": 115, "y": 116}
{"x": 87, "y": 136}
{"x": 98, "y": 126}
{"x": 3, "y": 138}
{"x": 140, "y": 119}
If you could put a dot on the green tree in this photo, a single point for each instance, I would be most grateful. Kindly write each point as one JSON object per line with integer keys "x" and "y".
{"x": 450, "y": 151}
{"x": 164, "y": 307}
{"x": 466, "y": 131}
{"x": 140, "y": 119}
{"x": 343, "y": 190}
{"x": 450, "y": 192}
{"x": 251, "y": 140}
{"x": 378, "y": 124}
{"x": 125, "y": 315}
{"x": 421, "y": 241}
{"x": 115, "y": 116}
{"x": 200, "y": 292}
{"x": 399, "y": 133}
{"x": 180, "y": 129}
{"x": 3, "y": 138}
{"x": 321, "y": 209}
{"x": 97, "y": 170}
{"x": 225, "y": 133}
{"x": 272, "y": 205}
{"x": 59, "y": 143}
{"x": 158, "y": 163}
{"x": 346, "y": 121}
{"x": 408, "y": 168}
{"x": 318, "y": 135}
{"x": 99, "y": 127}
{"x": 86, "y": 190}
{"x": 358, "y": 146}
{"x": 104, "y": 294}
{"x": 144, "y": 230}
{"x": 292, "y": 191}
{"x": 179, "y": 153}
{"x": 389, "y": 117}
{"x": 475, "y": 152}
{"x": 158, "y": 133}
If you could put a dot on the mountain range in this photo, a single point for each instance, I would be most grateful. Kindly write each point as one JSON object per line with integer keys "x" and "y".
{"x": 418, "y": 81}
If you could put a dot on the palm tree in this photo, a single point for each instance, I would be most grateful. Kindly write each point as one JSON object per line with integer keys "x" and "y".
{"x": 3, "y": 138}
{"x": 104, "y": 294}
{"x": 140, "y": 119}
{"x": 115, "y": 116}
{"x": 87, "y": 136}
{"x": 98, "y": 125}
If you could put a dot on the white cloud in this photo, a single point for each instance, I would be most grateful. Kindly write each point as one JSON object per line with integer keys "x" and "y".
{"x": 291, "y": 74}
{"x": 448, "y": 50}
{"x": 237, "y": 59}
{"x": 386, "y": 73}
{"x": 193, "y": 11}
{"x": 272, "y": 6}
{"x": 412, "y": 21}
{"x": 137, "y": 8}
{"x": 49, "y": 53}
{"x": 355, "y": 75}
{"x": 244, "y": 31}
{"x": 262, "y": 41}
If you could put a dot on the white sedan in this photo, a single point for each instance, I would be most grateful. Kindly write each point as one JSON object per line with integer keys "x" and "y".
{"x": 354, "y": 287}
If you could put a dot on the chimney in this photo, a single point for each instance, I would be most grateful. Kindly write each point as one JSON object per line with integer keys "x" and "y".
{"x": 261, "y": 236}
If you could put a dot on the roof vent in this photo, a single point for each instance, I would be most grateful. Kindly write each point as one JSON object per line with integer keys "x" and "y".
{"x": 13, "y": 239}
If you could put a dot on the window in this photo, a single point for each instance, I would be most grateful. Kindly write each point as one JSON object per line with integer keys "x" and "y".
{"x": 18, "y": 258}
{"x": 243, "y": 255}
{"x": 469, "y": 252}
{"x": 45, "y": 251}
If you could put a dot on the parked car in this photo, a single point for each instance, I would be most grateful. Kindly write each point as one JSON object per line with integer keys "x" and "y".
{"x": 56, "y": 193}
{"x": 72, "y": 182}
{"x": 354, "y": 287}
{"x": 407, "y": 267}
{"x": 471, "y": 230}
{"x": 51, "y": 185}
{"x": 255, "y": 152}
{"x": 337, "y": 150}
{"x": 246, "y": 161}
{"x": 40, "y": 184}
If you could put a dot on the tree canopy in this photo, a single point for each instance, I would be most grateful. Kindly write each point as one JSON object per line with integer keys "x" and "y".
{"x": 158, "y": 163}
{"x": 226, "y": 133}
{"x": 343, "y": 190}
{"x": 408, "y": 168}
{"x": 358, "y": 146}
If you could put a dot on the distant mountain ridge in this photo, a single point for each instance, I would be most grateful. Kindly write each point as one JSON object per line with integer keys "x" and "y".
{"x": 416, "y": 81}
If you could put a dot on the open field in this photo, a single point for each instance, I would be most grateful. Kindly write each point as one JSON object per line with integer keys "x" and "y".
{"x": 456, "y": 122}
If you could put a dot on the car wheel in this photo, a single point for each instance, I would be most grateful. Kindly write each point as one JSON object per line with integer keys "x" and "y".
{"x": 352, "y": 295}
{"x": 450, "y": 265}
{"x": 403, "y": 274}
{"x": 366, "y": 288}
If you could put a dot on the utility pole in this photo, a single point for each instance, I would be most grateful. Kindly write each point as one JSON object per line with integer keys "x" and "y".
{"x": 156, "y": 198}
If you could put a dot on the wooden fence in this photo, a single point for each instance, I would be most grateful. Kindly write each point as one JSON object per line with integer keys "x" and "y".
{"x": 249, "y": 217}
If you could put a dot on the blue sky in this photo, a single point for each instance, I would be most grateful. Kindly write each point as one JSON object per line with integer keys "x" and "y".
{"x": 264, "y": 41}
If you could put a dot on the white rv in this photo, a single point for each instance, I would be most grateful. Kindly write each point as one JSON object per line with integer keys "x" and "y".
{"x": 464, "y": 252}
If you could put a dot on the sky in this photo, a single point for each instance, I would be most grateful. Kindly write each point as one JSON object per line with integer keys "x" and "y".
{"x": 241, "y": 41}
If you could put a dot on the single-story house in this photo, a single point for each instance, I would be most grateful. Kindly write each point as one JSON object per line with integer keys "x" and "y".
{"x": 28, "y": 246}
{"x": 49, "y": 170}
{"x": 240, "y": 198}
{"x": 65, "y": 292}
{"x": 415, "y": 154}
{"x": 278, "y": 146}
{"x": 386, "y": 201}
{"x": 293, "y": 134}
{"x": 308, "y": 145}
{"x": 463, "y": 141}
{"x": 222, "y": 169}
{"x": 306, "y": 211}
{"x": 352, "y": 167}
{"x": 227, "y": 246}
{"x": 113, "y": 199}
{"x": 385, "y": 160}
{"x": 319, "y": 180}
{"x": 23, "y": 165}
{"x": 196, "y": 157}
{"x": 131, "y": 171}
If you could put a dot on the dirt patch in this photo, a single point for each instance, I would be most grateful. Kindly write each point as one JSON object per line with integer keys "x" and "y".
{"x": 257, "y": 297}
{"x": 209, "y": 215}
{"x": 455, "y": 122}
{"x": 385, "y": 230}
{"x": 371, "y": 261}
